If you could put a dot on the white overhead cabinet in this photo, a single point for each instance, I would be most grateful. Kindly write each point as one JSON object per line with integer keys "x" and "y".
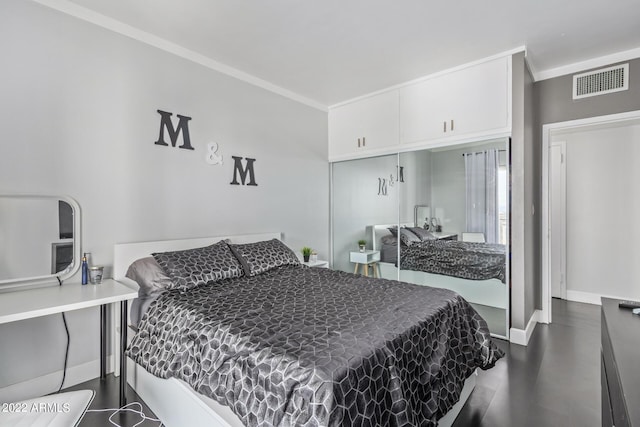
{"x": 473, "y": 101}
{"x": 364, "y": 127}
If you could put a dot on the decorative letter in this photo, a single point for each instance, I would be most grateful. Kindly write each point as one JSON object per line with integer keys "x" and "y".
{"x": 382, "y": 187}
{"x": 238, "y": 169}
{"x": 212, "y": 158}
{"x": 183, "y": 127}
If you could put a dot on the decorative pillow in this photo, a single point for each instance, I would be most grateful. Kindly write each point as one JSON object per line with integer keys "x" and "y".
{"x": 262, "y": 256}
{"x": 194, "y": 267}
{"x": 407, "y": 237}
{"x": 149, "y": 276}
{"x": 394, "y": 231}
{"x": 421, "y": 233}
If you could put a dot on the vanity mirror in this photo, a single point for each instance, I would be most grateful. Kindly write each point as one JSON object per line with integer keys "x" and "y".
{"x": 40, "y": 238}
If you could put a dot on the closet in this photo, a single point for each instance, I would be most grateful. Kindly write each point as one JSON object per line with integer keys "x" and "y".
{"x": 397, "y": 160}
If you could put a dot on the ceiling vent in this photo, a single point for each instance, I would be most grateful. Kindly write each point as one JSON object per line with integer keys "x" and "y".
{"x": 599, "y": 82}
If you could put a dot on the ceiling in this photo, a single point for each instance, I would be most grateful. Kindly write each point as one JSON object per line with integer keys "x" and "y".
{"x": 329, "y": 51}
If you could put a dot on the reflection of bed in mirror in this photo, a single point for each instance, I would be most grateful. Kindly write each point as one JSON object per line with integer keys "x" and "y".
{"x": 485, "y": 290}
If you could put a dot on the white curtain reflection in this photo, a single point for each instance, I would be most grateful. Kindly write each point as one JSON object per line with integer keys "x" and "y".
{"x": 481, "y": 176}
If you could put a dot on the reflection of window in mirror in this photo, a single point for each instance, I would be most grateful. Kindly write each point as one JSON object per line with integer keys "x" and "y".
{"x": 502, "y": 203}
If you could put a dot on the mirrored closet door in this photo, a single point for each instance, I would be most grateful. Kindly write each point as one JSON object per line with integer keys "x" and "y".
{"x": 442, "y": 221}
{"x": 364, "y": 193}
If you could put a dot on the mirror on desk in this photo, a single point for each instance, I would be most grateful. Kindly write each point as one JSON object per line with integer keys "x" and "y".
{"x": 40, "y": 238}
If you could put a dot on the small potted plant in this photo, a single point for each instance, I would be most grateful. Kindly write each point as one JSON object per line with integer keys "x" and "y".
{"x": 306, "y": 253}
{"x": 362, "y": 243}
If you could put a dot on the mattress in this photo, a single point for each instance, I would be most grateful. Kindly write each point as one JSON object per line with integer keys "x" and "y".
{"x": 316, "y": 347}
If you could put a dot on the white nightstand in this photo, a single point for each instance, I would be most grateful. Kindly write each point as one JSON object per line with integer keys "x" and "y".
{"x": 319, "y": 263}
{"x": 366, "y": 259}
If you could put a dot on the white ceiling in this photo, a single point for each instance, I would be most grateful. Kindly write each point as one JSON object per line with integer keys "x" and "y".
{"x": 333, "y": 50}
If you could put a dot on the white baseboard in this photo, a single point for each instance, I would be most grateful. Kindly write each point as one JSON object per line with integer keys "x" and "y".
{"x": 520, "y": 336}
{"x": 590, "y": 298}
{"x": 50, "y": 383}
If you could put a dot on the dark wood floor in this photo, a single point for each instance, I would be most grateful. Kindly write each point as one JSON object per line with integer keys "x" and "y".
{"x": 554, "y": 381}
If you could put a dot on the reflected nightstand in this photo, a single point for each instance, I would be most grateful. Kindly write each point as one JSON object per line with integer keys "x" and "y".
{"x": 365, "y": 259}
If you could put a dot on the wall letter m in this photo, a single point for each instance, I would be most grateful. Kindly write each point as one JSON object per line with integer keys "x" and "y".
{"x": 243, "y": 171}
{"x": 183, "y": 127}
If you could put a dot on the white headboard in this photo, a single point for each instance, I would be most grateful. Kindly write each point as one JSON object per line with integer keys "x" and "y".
{"x": 126, "y": 253}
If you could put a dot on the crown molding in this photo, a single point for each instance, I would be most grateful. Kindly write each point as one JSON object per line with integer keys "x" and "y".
{"x": 576, "y": 67}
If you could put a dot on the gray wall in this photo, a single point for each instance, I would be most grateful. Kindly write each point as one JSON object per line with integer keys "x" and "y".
{"x": 519, "y": 210}
{"x": 78, "y": 113}
{"x": 556, "y": 105}
{"x": 553, "y": 104}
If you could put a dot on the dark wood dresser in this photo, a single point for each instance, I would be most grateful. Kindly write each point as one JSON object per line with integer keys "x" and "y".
{"x": 620, "y": 366}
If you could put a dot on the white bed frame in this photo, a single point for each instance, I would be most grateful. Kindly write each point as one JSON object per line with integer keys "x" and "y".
{"x": 172, "y": 400}
{"x": 492, "y": 292}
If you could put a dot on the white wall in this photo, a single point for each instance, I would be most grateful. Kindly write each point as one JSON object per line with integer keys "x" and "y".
{"x": 25, "y": 251}
{"x": 78, "y": 113}
{"x": 603, "y": 207}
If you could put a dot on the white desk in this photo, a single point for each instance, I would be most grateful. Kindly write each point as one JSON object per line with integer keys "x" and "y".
{"x": 30, "y": 303}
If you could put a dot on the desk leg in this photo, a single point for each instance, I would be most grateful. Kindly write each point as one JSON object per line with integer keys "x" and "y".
{"x": 123, "y": 348}
{"x": 103, "y": 341}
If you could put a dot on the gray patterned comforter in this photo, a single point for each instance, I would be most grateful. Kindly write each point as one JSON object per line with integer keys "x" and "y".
{"x": 299, "y": 346}
{"x": 468, "y": 260}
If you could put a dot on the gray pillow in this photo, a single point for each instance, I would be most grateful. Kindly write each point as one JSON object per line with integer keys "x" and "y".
{"x": 193, "y": 267}
{"x": 149, "y": 276}
{"x": 262, "y": 256}
{"x": 407, "y": 237}
{"x": 421, "y": 233}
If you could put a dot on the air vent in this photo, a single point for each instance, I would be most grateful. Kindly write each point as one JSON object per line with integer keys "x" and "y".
{"x": 599, "y": 82}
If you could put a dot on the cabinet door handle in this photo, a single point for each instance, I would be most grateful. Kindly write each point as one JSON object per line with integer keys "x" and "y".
{"x": 444, "y": 126}
{"x": 358, "y": 142}
{"x": 452, "y": 124}
{"x": 363, "y": 142}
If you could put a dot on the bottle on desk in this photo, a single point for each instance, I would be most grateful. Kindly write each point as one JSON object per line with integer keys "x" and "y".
{"x": 85, "y": 269}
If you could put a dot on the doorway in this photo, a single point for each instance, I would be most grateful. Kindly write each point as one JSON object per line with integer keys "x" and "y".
{"x": 600, "y": 213}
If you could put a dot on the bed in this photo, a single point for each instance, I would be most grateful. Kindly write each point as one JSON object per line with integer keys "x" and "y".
{"x": 293, "y": 345}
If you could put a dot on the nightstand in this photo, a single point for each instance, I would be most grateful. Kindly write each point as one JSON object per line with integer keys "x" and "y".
{"x": 366, "y": 259}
